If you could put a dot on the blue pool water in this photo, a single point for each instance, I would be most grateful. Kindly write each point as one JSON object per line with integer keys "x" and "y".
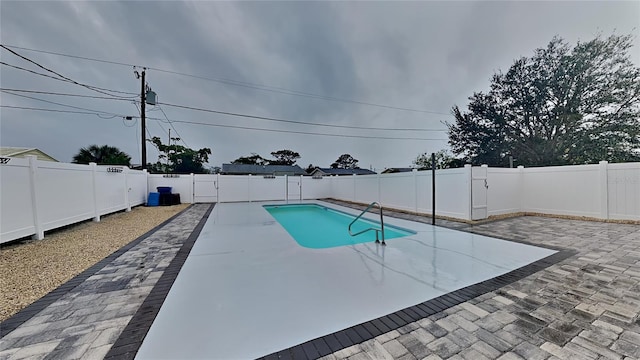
{"x": 318, "y": 227}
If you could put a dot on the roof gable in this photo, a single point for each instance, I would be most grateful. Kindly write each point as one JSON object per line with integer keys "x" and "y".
{"x": 331, "y": 171}
{"x": 21, "y": 152}
{"x": 245, "y": 169}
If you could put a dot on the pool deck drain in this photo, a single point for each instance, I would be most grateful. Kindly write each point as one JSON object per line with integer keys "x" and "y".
{"x": 585, "y": 306}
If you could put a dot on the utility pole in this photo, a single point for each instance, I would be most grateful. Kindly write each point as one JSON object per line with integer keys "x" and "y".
{"x": 143, "y": 101}
{"x": 168, "y": 151}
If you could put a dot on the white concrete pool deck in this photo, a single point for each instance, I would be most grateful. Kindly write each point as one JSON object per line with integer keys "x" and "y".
{"x": 248, "y": 289}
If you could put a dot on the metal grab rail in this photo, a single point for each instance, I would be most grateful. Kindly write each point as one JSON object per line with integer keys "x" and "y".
{"x": 381, "y": 230}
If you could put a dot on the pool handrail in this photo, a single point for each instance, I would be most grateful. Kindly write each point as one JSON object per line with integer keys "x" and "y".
{"x": 381, "y": 230}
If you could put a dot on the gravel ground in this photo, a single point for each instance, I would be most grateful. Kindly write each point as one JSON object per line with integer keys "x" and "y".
{"x": 31, "y": 269}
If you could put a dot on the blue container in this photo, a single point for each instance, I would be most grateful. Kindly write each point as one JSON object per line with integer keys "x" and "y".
{"x": 153, "y": 199}
{"x": 164, "y": 189}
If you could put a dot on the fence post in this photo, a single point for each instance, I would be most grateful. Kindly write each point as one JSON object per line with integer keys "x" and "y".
{"x": 354, "y": 187}
{"x": 286, "y": 188}
{"x": 379, "y": 197}
{"x": 414, "y": 172}
{"x": 146, "y": 185}
{"x": 604, "y": 190}
{"x": 94, "y": 169}
{"x": 469, "y": 197}
{"x": 33, "y": 175}
{"x": 301, "y": 197}
{"x": 216, "y": 184}
{"x": 521, "y": 189}
{"x": 127, "y": 203}
{"x": 193, "y": 189}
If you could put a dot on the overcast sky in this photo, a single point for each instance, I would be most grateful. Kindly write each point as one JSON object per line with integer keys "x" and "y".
{"x": 423, "y": 56}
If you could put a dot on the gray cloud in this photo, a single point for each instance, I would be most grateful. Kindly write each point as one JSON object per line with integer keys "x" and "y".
{"x": 421, "y": 55}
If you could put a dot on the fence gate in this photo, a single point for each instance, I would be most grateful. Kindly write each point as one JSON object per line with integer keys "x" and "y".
{"x": 479, "y": 189}
{"x": 294, "y": 188}
{"x": 205, "y": 188}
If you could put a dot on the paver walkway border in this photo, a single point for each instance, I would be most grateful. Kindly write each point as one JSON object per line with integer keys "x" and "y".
{"x": 32, "y": 309}
{"x": 84, "y": 317}
{"x": 130, "y": 340}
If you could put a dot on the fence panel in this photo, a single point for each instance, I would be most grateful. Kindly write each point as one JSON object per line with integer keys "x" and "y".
{"x": 366, "y": 188}
{"x": 318, "y": 188}
{"x": 398, "y": 191}
{"x": 65, "y": 194}
{"x": 233, "y": 188}
{"x": 423, "y": 192}
{"x": 562, "y": 190}
{"x": 110, "y": 188}
{"x": 263, "y": 189}
{"x": 180, "y": 184}
{"x": 623, "y": 191}
{"x": 205, "y": 188}
{"x": 504, "y": 193}
{"x": 16, "y": 202}
{"x": 137, "y": 186}
{"x": 453, "y": 193}
{"x": 342, "y": 187}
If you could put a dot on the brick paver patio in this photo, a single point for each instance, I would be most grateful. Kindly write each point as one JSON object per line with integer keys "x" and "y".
{"x": 584, "y": 307}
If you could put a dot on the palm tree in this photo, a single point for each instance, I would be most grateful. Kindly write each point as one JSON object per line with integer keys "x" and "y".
{"x": 102, "y": 155}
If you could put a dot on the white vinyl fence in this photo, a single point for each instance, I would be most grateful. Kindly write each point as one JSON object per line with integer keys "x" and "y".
{"x": 237, "y": 188}
{"x": 37, "y": 196}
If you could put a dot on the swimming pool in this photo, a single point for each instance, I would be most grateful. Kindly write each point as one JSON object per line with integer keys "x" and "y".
{"x": 319, "y": 227}
{"x": 248, "y": 289}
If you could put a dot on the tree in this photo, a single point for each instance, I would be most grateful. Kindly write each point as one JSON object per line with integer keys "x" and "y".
{"x": 284, "y": 157}
{"x": 310, "y": 168}
{"x": 345, "y": 161}
{"x": 563, "y": 105}
{"x": 444, "y": 160}
{"x": 254, "y": 159}
{"x": 102, "y": 155}
{"x": 179, "y": 159}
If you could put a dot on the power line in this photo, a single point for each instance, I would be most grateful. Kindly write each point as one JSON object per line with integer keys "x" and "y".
{"x": 173, "y": 127}
{"x": 56, "y": 110}
{"x": 55, "y": 103}
{"x": 253, "y": 128}
{"x": 66, "y": 81}
{"x": 66, "y": 94}
{"x": 146, "y": 128}
{"x": 296, "y": 132}
{"x": 224, "y": 113}
{"x": 54, "y": 72}
{"x": 294, "y": 92}
{"x": 245, "y": 84}
{"x": 293, "y": 121}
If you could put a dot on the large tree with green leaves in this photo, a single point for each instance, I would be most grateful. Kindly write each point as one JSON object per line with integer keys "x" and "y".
{"x": 345, "y": 161}
{"x": 284, "y": 157}
{"x": 444, "y": 160}
{"x": 102, "y": 155}
{"x": 563, "y": 105}
{"x": 178, "y": 159}
{"x": 253, "y": 159}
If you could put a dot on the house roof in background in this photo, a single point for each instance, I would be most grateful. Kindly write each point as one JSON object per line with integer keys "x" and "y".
{"x": 244, "y": 169}
{"x": 397, "y": 170}
{"x": 331, "y": 171}
{"x": 21, "y": 152}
